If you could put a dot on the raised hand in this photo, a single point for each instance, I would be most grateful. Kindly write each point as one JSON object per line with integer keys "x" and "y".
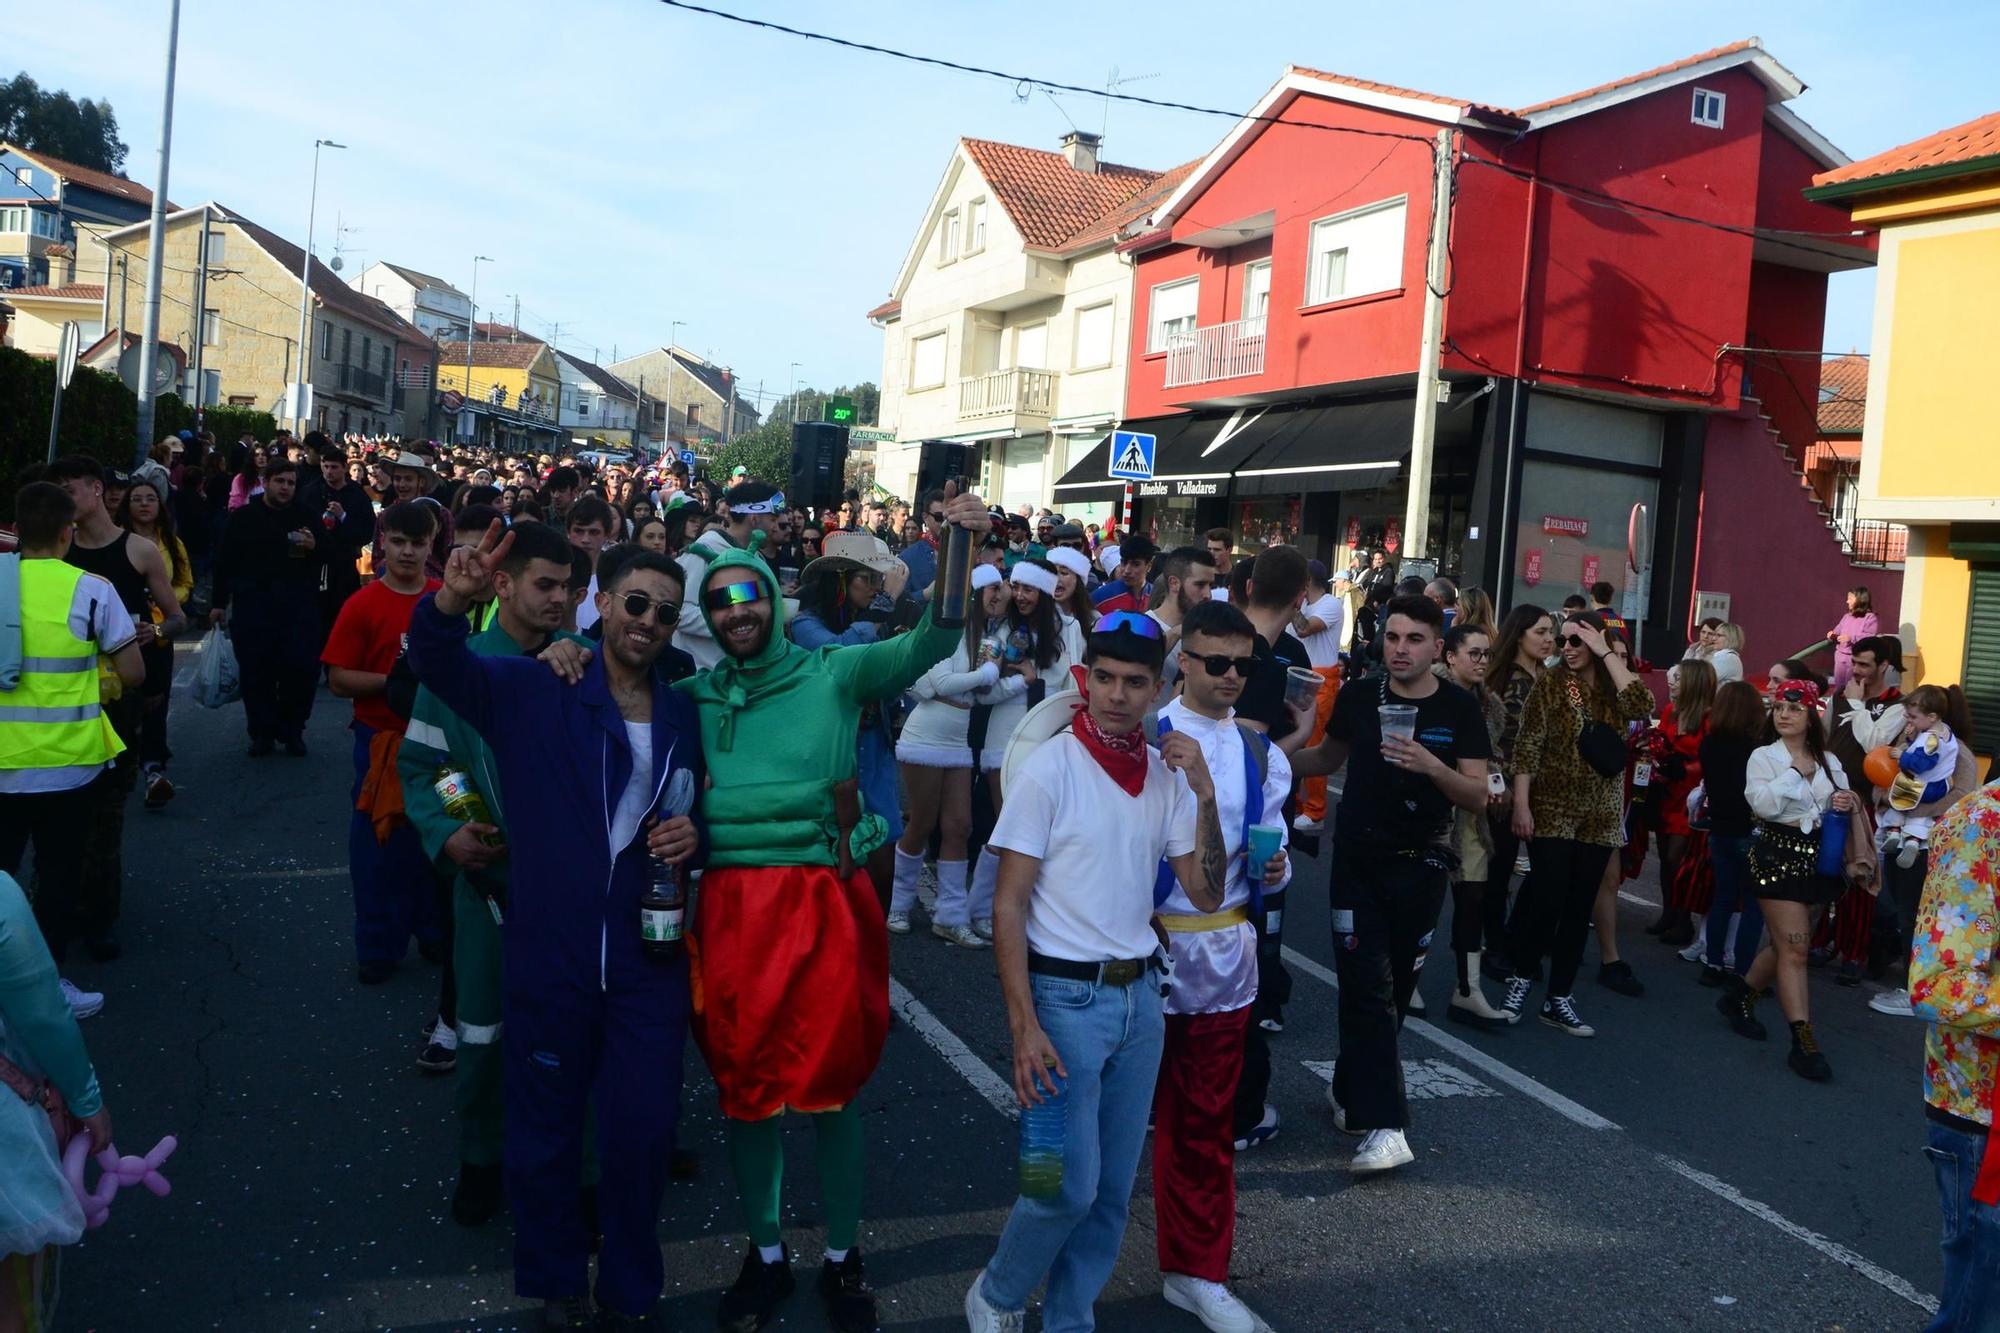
{"x": 967, "y": 511}
{"x": 468, "y": 574}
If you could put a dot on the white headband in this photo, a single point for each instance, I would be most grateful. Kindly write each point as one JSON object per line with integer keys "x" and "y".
{"x": 1068, "y": 557}
{"x": 985, "y": 577}
{"x": 775, "y": 504}
{"x": 1030, "y": 575}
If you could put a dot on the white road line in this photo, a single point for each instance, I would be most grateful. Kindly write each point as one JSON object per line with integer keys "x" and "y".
{"x": 1832, "y": 1249}
{"x": 1423, "y": 1080}
{"x": 1472, "y": 1055}
{"x": 997, "y": 1091}
{"x": 1635, "y": 898}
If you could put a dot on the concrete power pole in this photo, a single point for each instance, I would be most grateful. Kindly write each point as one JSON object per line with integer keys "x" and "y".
{"x": 1423, "y": 427}
{"x": 156, "y": 239}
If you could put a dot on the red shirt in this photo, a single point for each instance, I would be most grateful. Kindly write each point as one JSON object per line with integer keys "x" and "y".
{"x": 369, "y": 636}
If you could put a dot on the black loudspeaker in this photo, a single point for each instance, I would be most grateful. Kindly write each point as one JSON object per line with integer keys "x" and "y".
{"x": 937, "y": 463}
{"x": 819, "y": 465}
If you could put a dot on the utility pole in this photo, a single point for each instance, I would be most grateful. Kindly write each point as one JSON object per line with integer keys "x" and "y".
{"x": 472, "y": 324}
{"x": 299, "y": 421}
{"x": 1423, "y": 426}
{"x": 514, "y": 329}
{"x": 156, "y": 239}
{"x": 673, "y": 333}
{"x": 200, "y": 316}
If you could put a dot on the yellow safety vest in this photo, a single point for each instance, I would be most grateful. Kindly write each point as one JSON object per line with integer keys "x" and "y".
{"x": 53, "y": 718}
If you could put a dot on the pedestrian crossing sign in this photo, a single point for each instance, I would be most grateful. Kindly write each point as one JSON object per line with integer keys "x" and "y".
{"x": 1132, "y": 455}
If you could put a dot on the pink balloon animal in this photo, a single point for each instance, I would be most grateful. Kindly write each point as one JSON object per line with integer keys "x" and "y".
{"x": 114, "y": 1173}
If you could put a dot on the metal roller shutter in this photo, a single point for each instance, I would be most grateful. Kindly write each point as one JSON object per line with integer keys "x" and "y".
{"x": 1981, "y": 676}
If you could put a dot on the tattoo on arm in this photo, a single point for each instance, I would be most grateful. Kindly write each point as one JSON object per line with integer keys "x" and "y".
{"x": 1213, "y": 862}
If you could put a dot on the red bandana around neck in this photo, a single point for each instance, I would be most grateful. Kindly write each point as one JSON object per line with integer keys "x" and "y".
{"x": 1123, "y": 758}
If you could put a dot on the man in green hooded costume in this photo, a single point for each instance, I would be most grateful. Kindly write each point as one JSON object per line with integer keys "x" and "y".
{"x": 791, "y": 952}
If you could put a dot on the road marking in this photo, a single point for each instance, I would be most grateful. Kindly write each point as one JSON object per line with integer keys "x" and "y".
{"x": 997, "y": 1092}
{"x": 1832, "y": 1249}
{"x": 1423, "y": 1080}
{"x": 1472, "y": 1055}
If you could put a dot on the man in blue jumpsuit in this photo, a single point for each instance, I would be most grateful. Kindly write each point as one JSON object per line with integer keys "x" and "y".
{"x": 588, "y": 1019}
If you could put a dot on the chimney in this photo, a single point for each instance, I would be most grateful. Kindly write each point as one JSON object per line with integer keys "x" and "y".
{"x": 1079, "y": 147}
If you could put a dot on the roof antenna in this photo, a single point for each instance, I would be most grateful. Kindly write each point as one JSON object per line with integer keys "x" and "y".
{"x": 1112, "y": 83}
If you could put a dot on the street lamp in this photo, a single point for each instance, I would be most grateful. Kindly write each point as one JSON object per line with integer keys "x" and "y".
{"x": 472, "y": 322}
{"x": 305, "y": 288}
{"x": 673, "y": 334}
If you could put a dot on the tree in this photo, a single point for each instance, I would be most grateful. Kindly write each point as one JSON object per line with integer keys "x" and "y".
{"x": 765, "y": 452}
{"x": 79, "y": 131}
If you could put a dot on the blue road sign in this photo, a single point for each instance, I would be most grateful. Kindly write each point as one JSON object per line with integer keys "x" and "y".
{"x": 1132, "y": 455}
{"x": 687, "y": 456}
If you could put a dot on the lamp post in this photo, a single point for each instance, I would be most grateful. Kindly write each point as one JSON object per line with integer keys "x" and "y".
{"x": 673, "y": 333}
{"x": 472, "y": 322}
{"x": 305, "y": 290}
{"x": 156, "y": 239}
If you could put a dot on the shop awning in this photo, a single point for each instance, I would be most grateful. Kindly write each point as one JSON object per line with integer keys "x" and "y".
{"x": 1086, "y": 480}
{"x": 1195, "y": 455}
{"x": 1344, "y": 447}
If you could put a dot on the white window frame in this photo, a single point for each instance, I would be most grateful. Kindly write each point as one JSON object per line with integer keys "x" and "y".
{"x": 1353, "y": 284}
{"x": 1257, "y": 266}
{"x": 1157, "y": 333}
{"x": 1707, "y": 108}
{"x": 24, "y": 176}
{"x": 948, "y": 237}
{"x": 217, "y": 247}
{"x": 1079, "y": 348}
{"x": 944, "y": 349}
{"x": 975, "y": 225}
{"x": 13, "y": 220}
{"x": 1040, "y": 363}
{"x": 211, "y": 327}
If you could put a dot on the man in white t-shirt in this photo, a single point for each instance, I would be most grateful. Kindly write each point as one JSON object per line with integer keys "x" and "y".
{"x": 1088, "y": 820}
{"x": 1186, "y": 580}
{"x": 1318, "y": 625}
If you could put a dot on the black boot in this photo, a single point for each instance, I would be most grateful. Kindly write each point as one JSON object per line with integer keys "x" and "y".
{"x": 1739, "y": 1005}
{"x": 850, "y": 1301}
{"x": 751, "y": 1301}
{"x": 1805, "y": 1059}
{"x": 480, "y": 1195}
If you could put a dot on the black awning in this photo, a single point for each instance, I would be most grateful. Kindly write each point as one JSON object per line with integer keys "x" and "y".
{"x": 1344, "y": 447}
{"x": 1086, "y": 481}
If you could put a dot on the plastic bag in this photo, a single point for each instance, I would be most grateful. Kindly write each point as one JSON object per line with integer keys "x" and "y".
{"x": 217, "y": 683}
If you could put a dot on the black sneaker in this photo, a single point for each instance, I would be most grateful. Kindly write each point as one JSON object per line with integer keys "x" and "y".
{"x": 1850, "y": 974}
{"x": 481, "y": 1194}
{"x": 751, "y": 1301}
{"x": 1805, "y": 1058}
{"x": 570, "y": 1313}
{"x": 1739, "y": 1006}
{"x": 1559, "y": 1012}
{"x": 1516, "y": 998}
{"x": 262, "y": 746}
{"x": 850, "y": 1301}
{"x": 1618, "y": 976}
{"x": 436, "y": 1057}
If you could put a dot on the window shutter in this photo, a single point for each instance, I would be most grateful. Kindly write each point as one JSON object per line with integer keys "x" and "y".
{"x": 1981, "y": 677}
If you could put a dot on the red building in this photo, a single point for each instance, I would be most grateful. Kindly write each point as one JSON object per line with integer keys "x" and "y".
{"x": 1631, "y": 312}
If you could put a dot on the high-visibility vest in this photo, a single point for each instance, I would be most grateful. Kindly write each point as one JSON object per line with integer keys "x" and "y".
{"x": 53, "y": 718}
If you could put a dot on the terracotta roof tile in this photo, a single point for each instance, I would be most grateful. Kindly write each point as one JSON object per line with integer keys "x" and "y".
{"x": 101, "y": 181}
{"x": 1372, "y": 86}
{"x": 1747, "y": 44}
{"x": 492, "y": 355}
{"x": 68, "y": 291}
{"x": 1134, "y": 208}
{"x": 887, "y": 310}
{"x": 1843, "y": 394}
{"x": 1970, "y": 142}
{"x": 1047, "y": 199}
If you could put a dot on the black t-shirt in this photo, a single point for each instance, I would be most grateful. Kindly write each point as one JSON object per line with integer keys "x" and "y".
{"x": 1263, "y": 697}
{"x": 1724, "y": 764}
{"x": 1382, "y": 802}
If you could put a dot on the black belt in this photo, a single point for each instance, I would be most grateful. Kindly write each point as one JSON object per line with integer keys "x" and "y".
{"x": 1117, "y": 972}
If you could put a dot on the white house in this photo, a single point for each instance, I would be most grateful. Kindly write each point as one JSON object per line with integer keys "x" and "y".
{"x": 1008, "y": 323}
{"x": 595, "y": 402}
{"x": 441, "y": 310}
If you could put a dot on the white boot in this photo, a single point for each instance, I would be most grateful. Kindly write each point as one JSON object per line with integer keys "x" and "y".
{"x": 1468, "y": 998}
{"x": 949, "y": 908}
{"x": 903, "y": 892}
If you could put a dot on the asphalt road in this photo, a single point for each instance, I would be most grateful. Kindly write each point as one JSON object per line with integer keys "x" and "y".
{"x": 1664, "y": 1175}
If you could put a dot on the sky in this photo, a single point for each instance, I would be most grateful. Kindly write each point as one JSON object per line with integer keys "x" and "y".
{"x": 628, "y": 165}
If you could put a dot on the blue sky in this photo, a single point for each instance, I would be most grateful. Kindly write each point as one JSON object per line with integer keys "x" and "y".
{"x": 628, "y": 165}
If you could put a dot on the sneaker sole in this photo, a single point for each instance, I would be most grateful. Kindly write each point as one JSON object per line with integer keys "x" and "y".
{"x": 1180, "y": 1302}
{"x": 87, "y": 1010}
{"x": 1458, "y": 1013}
{"x": 1377, "y": 1166}
{"x": 1585, "y": 1030}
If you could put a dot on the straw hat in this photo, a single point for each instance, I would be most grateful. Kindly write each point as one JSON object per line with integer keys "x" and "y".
{"x": 845, "y": 552}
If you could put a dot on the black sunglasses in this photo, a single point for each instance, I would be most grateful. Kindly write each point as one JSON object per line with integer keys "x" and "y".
{"x": 637, "y": 604}
{"x": 1216, "y": 664}
{"x": 1574, "y": 641}
{"x": 937, "y": 515}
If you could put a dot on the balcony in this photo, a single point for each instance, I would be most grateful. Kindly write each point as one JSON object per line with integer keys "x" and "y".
{"x": 1024, "y": 395}
{"x": 1218, "y": 352}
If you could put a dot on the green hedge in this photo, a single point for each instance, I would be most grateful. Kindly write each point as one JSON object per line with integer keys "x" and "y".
{"x": 227, "y": 424}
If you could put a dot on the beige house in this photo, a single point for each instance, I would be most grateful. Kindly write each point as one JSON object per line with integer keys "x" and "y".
{"x": 230, "y": 295}
{"x": 41, "y": 311}
{"x": 685, "y": 398}
{"x": 1008, "y": 323}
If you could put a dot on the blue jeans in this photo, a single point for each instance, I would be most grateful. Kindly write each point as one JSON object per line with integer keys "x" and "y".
{"x": 1731, "y": 859}
{"x": 1970, "y": 1301}
{"x": 1109, "y": 1039}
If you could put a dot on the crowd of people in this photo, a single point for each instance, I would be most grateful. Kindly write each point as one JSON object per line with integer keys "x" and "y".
{"x": 785, "y": 726}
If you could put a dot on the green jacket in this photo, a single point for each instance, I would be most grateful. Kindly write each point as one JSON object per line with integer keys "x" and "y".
{"x": 438, "y": 736}
{"x": 778, "y": 731}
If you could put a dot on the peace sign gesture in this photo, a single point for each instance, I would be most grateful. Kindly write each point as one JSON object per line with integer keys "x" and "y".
{"x": 468, "y": 574}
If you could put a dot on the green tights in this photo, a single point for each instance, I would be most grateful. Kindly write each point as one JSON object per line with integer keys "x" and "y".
{"x": 757, "y": 1156}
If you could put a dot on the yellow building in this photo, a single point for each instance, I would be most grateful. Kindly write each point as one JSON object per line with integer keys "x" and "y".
{"x": 512, "y": 396}
{"x": 1930, "y": 440}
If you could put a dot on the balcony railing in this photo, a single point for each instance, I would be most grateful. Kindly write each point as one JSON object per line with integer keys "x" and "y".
{"x": 1007, "y": 393}
{"x": 1218, "y": 352}
{"x": 371, "y": 382}
{"x": 1867, "y": 541}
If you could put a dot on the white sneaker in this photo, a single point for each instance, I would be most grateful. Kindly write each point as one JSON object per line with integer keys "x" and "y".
{"x": 1211, "y": 1302}
{"x": 898, "y": 923}
{"x": 1895, "y": 1002}
{"x": 1521, "y": 866}
{"x": 1339, "y": 1113}
{"x": 982, "y": 1316}
{"x": 1382, "y": 1150}
{"x": 1304, "y": 824}
{"x": 1416, "y": 1005}
{"x": 983, "y": 928}
{"x": 1695, "y": 949}
{"x": 89, "y": 1003}
{"x": 963, "y": 936}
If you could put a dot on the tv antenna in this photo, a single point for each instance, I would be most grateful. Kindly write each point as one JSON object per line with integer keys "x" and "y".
{"x": 340, "y": 231}
{"x": 1112, "y": 83}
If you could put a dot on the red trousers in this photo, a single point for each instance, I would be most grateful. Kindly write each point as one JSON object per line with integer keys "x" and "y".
{"x": 1194, "y": 1151}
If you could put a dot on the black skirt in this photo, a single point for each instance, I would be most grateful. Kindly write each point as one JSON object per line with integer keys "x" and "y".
{"x": 1784, "y": 864}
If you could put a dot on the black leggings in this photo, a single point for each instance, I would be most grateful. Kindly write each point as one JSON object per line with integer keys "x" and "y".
{"x": 1553, "y": 916}
{"x": 1493, "y": 908}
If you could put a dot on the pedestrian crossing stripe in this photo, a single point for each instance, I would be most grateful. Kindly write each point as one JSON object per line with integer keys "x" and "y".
{"x": 1423, "y": 1080}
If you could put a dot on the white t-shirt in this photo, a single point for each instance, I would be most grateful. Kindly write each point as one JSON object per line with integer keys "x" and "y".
{"x": 1323, "y": 648}
{"x": 1100, "y": 849}
{"x": 634, "y": 803}
{"x": 96, "y": 615}
{"x": 586, "y": 611}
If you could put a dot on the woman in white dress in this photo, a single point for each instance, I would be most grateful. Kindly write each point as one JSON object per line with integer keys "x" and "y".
{"x": 936, "y": 762}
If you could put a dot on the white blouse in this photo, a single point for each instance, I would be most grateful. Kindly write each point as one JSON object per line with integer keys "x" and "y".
{"x": 1781, "y": 794}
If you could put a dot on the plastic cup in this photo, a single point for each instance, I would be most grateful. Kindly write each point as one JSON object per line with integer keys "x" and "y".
{"x": 1398, "y": 720}
{"x": 1301, "y": 687}
{"x": 1265, "y": 840}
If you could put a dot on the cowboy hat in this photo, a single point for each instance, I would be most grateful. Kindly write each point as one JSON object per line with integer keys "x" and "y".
{"x": 415, "y": 462}
{"x": 843, "y": 552}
